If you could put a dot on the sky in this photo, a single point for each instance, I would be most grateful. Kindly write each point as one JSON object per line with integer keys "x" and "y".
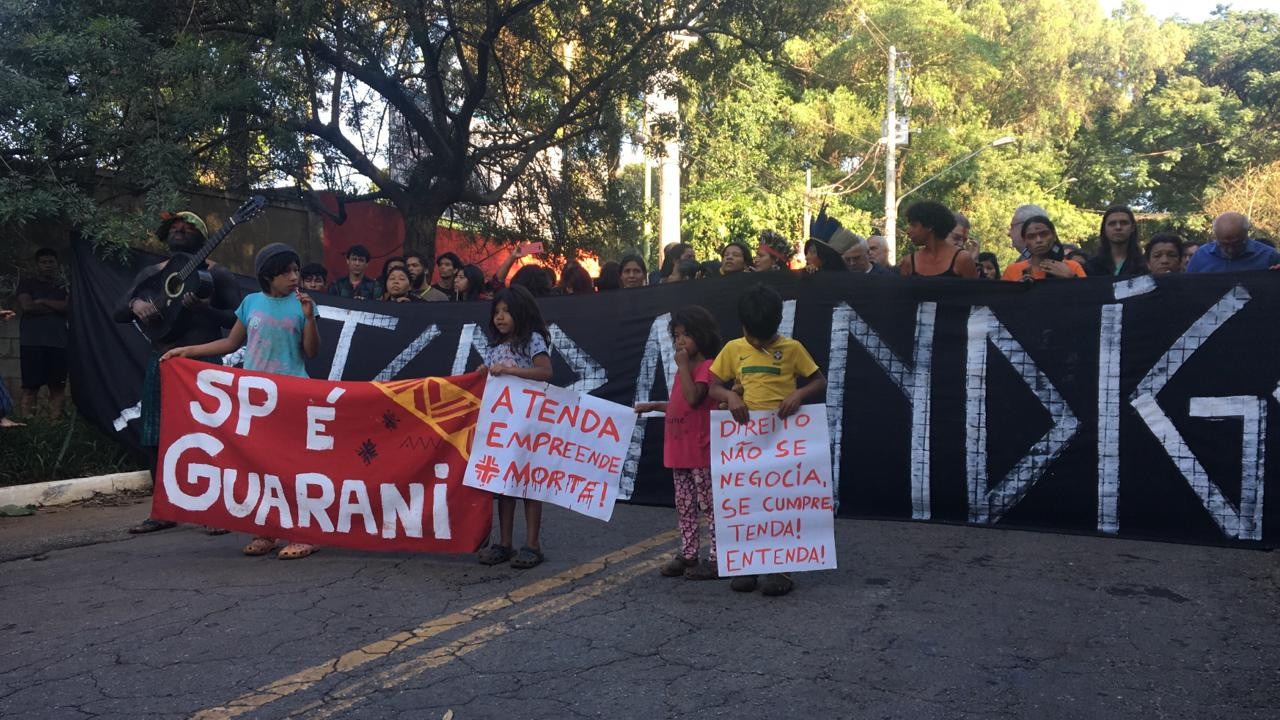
{"x": 1195, "y": 9}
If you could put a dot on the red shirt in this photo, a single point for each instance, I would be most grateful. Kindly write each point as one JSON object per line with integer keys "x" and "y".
{"x": 687, "y": 436}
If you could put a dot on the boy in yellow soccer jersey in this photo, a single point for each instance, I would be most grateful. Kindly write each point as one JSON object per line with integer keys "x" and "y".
{"x": 767, "y": 366}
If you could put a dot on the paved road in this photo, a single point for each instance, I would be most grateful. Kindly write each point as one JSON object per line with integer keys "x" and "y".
{"x": 921, "y": 621}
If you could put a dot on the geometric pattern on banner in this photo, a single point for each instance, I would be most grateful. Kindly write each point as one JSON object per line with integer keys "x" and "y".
{"x": 914, "y": 381}
{"x": 987, "y": 503}
{"x": 1244, "y": 522}
{"x": 444, "y": 407}
{"x": 591, "y": 374}
{"x": 659, "y": 352}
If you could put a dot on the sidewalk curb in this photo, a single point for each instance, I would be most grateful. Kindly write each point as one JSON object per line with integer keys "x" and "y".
{"x": 62, "y": 492}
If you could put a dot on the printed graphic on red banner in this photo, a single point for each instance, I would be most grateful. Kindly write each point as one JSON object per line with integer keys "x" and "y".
{"x": 371, "y": 466}
{"x": 771, "y": 488}
{"x": 544, "y": 442}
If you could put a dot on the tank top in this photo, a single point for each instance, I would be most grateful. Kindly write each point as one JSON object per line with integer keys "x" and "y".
{"x": 949, "y": 272}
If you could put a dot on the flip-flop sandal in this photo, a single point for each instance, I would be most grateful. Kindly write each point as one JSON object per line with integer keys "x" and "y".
{"x": 296, "y": 551}
{"x": 527, "y": 558}
{"x": 151, "y": 525}
{"x": 494, "y": 555}
{"x": 214, "y": 531}
{"x": 259, "y": 546}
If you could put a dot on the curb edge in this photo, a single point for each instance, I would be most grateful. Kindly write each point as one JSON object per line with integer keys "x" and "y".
{"x": 63, "y": 492}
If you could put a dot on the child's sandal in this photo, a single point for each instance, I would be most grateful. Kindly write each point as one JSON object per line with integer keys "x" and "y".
{"x": 259, "y": 546}
{"x": 527, "y": 558}
{"x": 494, "y": 555}
{"x": 702, "y": 570}
{"x": 296, "y": 551}
{"x": 677, "y": 565}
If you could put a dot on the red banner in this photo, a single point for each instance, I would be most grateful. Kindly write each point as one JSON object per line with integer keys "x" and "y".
{"x": 371, "y": 466}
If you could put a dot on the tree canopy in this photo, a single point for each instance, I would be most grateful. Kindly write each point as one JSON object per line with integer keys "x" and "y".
{"x": 1105, "y": 109}
{"x": 519, "y": 114}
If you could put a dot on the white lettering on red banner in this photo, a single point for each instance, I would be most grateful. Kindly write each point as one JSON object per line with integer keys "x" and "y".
{"x": 373, "y": 466}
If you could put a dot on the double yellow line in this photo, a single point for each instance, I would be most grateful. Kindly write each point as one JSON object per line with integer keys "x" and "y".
{"x": 354, "y": 691}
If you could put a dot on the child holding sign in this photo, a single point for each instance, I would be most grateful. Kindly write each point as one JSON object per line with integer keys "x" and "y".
{"x": 278, "y": 329}
{"x": 767, "y": 366}
{"x": 687, "y": 437}
{"x": 517, "y": 346}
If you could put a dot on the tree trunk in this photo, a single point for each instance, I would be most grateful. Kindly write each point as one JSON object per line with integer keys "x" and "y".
{"x": 420, "y": 223}
{"x": 238, "y": 143}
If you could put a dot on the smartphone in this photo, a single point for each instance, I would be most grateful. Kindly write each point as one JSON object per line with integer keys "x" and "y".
{"x": 532, "y": 248}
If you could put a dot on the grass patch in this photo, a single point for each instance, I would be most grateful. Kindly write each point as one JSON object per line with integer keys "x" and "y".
{"x": 58, "y": 450}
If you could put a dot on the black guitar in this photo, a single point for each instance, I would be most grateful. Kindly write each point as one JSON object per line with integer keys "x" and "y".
{"x": 165, "y": 286}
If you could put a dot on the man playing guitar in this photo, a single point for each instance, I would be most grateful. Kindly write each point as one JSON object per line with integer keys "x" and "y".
{"x": 203, "y": 320}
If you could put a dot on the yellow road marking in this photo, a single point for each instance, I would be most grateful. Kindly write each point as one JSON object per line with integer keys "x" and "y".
{"x": 304, "y": 679}
{"x": 344, "y": 698}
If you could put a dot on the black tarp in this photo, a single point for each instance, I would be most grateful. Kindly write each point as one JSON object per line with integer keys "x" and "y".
{"x": 952, "y": 400}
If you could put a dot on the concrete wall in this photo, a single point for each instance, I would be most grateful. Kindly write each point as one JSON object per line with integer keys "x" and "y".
{"x": 287, "y": 222}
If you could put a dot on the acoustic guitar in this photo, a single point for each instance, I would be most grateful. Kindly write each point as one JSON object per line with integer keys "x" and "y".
{"x": 185, "y": 273}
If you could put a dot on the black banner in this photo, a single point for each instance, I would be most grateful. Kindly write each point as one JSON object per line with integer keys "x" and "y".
{"x": 1136, "y": 408}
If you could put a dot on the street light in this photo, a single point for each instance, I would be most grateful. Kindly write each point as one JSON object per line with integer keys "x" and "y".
{"x": 1068, "y": 181}
{"x": 891, "y": 203}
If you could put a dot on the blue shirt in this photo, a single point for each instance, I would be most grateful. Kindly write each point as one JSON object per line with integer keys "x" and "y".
{"x": 274, "y": 334}
{"x": 1256, "y": 256}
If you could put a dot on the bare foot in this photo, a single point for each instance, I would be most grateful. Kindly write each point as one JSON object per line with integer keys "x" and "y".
{"x": 6, "y": 422}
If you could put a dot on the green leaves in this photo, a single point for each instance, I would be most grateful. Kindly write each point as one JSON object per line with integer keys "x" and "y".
{"x": 103, "y": 89}
{"x": 516, "y": 114}
{"x": 1106, "y": 109}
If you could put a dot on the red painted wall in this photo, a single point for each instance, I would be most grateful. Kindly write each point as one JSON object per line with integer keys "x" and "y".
{"x": 381, "y": 229}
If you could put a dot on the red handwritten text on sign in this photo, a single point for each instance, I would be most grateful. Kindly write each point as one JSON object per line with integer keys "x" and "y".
{"x": 771, "y": 483}
{"x": 547, "y": 443}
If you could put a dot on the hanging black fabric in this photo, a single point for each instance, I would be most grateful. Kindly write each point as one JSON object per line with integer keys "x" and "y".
{"x": 1136, "y": 408}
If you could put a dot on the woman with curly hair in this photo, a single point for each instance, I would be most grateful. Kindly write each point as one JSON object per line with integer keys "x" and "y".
{"x": 735, "y": 258}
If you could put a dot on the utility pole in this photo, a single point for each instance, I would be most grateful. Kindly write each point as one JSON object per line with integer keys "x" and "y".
{"x": 808, "y": 211}
{"x": 669, "y": 182}
{"x": 648, "y": 203}
{"x": 891, "y": 161}
{"x": 666, "y": 103}
{"x": 659, "y": 105}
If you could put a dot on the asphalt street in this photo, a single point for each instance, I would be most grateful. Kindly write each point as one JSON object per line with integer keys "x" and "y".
{"x": 920, "y": 621}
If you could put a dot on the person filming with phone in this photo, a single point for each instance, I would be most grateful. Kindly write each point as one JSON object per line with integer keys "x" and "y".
{"x": 1045, "y": 258}
{"x": 523, "y": 250}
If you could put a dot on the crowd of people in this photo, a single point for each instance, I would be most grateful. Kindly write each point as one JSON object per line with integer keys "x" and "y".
{"x": 276, "y": 328}
{"x": 943, "y": 247}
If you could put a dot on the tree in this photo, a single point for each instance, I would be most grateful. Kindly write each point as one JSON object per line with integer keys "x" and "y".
{"x": 482, "y": 91}
{"x": 1254, "y": 192}
{"x": 976, "y": 71}
{"x": 514, "y": 114}
{"x": 106, "y": 90}
{"x": 1240, "y": 53}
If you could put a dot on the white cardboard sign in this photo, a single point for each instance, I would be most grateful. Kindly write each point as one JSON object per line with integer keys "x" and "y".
{"x": 772, "y": 489}
{"x": 543, "y": 442}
